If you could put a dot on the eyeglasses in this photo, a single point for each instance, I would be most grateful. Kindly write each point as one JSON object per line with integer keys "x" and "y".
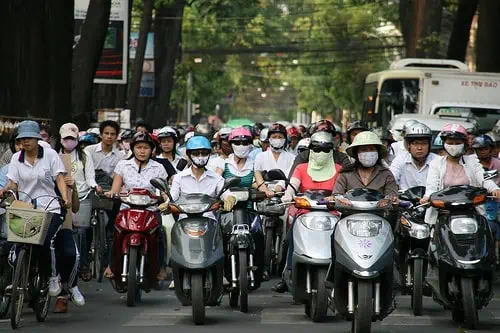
{"x": 202, "y": 153}
{"x": 240, "y": 143}
{"x": 319, "y": 149}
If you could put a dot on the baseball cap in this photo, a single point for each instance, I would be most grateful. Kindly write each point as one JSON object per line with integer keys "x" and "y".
{"x": 69, "y": 130}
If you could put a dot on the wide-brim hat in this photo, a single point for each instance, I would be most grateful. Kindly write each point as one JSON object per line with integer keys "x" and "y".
{"x": 28, "y": 129}
{"x": 366, "y": 138}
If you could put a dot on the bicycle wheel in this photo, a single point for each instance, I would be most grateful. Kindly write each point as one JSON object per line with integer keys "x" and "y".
{"x": 41, "y": 301}
{"x": 19, "y": 288}
{"x": 100, "y": 248}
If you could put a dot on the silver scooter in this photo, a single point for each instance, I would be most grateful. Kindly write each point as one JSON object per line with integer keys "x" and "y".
{"x": 362, "y": 266}
{"x": 312, "y": 253}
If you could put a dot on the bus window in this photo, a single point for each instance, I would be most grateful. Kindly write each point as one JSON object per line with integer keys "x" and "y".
{"x": 398, "y": 96}
{"x": 369, "y": 98}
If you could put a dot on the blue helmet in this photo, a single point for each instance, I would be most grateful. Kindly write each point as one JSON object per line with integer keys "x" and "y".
{"x": 482, "y": 141}
{"x": 89, "y": 138}
{"x": 198, "y": 142}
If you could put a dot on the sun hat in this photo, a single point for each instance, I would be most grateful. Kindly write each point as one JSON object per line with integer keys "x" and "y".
{"x": 28, "y": 129}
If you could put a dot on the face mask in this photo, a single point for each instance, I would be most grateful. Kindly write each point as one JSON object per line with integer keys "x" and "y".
{"x": 242, "y": 151}
{"x": 320, "y": 158}
{"x": 126, "y": 146}
{"x": 200, "y": 161}
{"x": 368, "y": 159}
{"x": 69, "y": 144}
{"x": 454, "y": 150}
{"x": 277, "y": 144}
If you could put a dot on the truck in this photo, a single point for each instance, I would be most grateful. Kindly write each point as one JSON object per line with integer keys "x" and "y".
{"x": 445, "y": 88}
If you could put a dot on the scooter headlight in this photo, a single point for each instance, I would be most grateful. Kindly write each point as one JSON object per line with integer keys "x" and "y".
{"x": 463, "y": 226}
{"x": 194, "y": 208}
{"x": 195, "y": 230}
{"x": 364, "y": 228}
{"x": 138, "y": 200}
{"x": 419, "y": 231}
{"x": 321, "y": 223}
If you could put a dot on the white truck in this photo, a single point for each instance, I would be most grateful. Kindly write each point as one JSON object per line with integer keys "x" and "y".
{"x": 432, "y": 87}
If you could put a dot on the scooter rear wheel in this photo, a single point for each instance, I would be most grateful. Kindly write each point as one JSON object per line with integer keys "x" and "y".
{"x": 243, "y": 280}
{"x": 362, "y": 322}
{"x": 469, "y": 302}
{"x": 198, "y": 298}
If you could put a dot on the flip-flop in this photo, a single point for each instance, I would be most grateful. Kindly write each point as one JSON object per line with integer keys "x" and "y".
{"x": 108, "y": 274}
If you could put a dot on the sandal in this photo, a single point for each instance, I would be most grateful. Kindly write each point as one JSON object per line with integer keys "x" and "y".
{"x": 108, "y": 273}
{"x": 85, "y": 274}
{"x": 162, "y": 275}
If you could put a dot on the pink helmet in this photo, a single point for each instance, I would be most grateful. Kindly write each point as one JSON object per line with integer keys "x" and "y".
{"x": 240, "y": 133}
{"x": 453, "y": 131}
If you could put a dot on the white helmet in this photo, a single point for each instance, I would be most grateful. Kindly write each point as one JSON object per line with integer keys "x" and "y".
{"x": 303, "y": 144}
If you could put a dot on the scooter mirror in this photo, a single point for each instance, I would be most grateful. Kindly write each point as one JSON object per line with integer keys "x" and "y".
{"x": 231, "y": 182}
{"x": 276, "y": 174}
{"x": 159, "y": 184}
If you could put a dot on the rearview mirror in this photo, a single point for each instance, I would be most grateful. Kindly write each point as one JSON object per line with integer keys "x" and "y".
{"x": 159, "y": 184}
{"x": 229, "y": 182}
{"x": 276, "y": 174}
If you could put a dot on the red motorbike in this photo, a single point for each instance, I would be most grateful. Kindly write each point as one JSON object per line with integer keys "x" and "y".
{"x": 135, "y": 244}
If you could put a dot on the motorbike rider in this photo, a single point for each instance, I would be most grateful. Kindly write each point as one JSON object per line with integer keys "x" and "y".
{"x": 399, "y": 146}
{"x": 124, "y": 140}
{"x": 293, "y": 138}
{"x": 224, "y": 152}
{"x": 455, "y": 168}
{"x": 168, "y": 142}
{"x": 320, "y": 173}
{"x": 484, "y": 147}
{"x": 411, "y": 169}
{"x": 137, "y": 172}
{"x": 263, "y": 139}
{"x": 338, "y": 157}
{"x": 142, "y": 126}
{"x": 472, "y": 133}
{"x": 303, "y": 145}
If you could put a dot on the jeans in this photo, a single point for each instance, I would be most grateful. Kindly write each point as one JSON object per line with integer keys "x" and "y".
{"x": 289, "y": 237}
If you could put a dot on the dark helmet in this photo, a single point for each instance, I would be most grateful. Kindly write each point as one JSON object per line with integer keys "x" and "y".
{"x": 142, "y": 137}
{"x": 482, "y": 141}
{"x": 277, "y": 128}
{"x": 322, "y": 125}
{"x": 127, "y": 134}
{"x": 355, "y": 125}
{"x": 89, "y": 139}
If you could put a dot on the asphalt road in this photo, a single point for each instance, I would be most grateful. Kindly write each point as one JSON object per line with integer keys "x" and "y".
{"x": 160, "y": 311}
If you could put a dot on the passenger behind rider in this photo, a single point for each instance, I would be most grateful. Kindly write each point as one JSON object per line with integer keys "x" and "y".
{"x": 398, "y": 147}
{"x": 224, "y": 151}
{"x": 320, "y": 173}
{"x": 484, "y": 148}
{"x": 168, "y": 142}
{"x": 137, "y": 172}
{"x": 411, "y": 169}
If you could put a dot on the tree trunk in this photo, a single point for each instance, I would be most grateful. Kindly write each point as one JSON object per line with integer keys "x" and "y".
{"x": 135, "y": 82}
{"x": 405, "y": 21}
{"x": 460, "y": 34}
{"x": 488, "y": 38}
{"x": 167, "y": 50}
{"x": 86, "y": 58}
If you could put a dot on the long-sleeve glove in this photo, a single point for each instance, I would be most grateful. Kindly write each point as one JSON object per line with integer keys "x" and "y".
{"x": 164, "y": 208}
{"x": 229, "y": 202}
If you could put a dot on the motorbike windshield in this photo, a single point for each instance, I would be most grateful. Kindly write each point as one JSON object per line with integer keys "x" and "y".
{"x": 364, "y": 198}
{"x": 413, "y": 194}
{"x": 458, "y": 196}
{"x": 195, "y": 203}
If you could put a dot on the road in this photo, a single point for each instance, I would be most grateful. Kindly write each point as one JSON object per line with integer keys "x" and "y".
{"x": 160, "y": 311}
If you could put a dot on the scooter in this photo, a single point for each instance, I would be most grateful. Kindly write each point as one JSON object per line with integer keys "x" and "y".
{"x": 197, "y": 257}
{"x": 491, "y": 212}
{"x": 411, "y": 241}
{"x": 362, "y": 259}
{"x": 311, "y": 253}
{"x": 136, "y": 237}
{"x": 461, "y": 253}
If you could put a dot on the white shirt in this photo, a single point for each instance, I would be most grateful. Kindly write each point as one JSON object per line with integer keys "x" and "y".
{"x": 398, "y": 148}
{"x": 407, "y": 174}
{"x": 39, "y": 179}
{"x": 103, "y": 161}
{"x": 255, "y": 151}
{"x": 84, "y": 180}
{"x": 216, "y": 163}
{"x": 210, "y": 183}
{"x": 265, "y": 161}
{"x": 132, "y": 178}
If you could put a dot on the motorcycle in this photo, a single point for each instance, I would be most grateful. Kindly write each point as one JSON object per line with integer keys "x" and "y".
{"x": 5, "y": 266}
{"x": 362, "y": 259}
{"x": 411, "y": 241}
{"x": 461, "y": 253}
{"x": 197, "y": 257}
{"x": 311, "y": 253}
{"x": 491, "y": 213}
{"x": 136, "y": 247}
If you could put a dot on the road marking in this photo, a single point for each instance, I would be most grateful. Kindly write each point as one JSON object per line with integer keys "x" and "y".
{"x": 280, "y": 316}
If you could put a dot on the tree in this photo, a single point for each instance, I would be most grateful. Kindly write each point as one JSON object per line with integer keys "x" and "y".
{"x": 460, "y": 34}
{"x": 86, "y": 58}
{"x": 488, "y": 39}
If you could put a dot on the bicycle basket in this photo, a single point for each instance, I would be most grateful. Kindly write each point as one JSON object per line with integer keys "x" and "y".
{"x": 99, "y": 202}
{"x": 28, "y": 225}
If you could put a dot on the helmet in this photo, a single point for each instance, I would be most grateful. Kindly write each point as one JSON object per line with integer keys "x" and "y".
{"x": 482, "y": 141}
{"x": 198, "y": 142}
{"x": 292, "y": 132}
{"x": 303, "y": 144}
{"x": 409, "y": 123}
{"x": 454, "y": 131}
{"x": 94, "y": 130}
{"x": 89, "y": 139}
{"x": 493, "y": 136}
{"x": 356, "y": 125}
{"x": 257, "y": 127}
{"x": 250, "y": 129}
{"x": 167, "y": 132}
{"x": 263, "y": 135}
{"x": 302, "y": 129}
{"x": 142, "y": 137}
{"x": 363, "y": 139}
{"x": 277, "y": 128}
{"x": 126, "y": 134}
{"x": 322, "y": 125}
{"x": 437, "y": 144}
{"x": 418, "y": 130}
{"x": 189, "y": 135}
{"x": 240, "y": 133}
{"x": 321, "y": 138}
{"x": 224, "y": 133}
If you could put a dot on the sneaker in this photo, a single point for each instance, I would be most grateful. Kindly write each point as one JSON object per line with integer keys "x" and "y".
{"x": 76, "y": 296}
{"x": 171, "y": 286}
{"x": 61, "y": 305}
{"x": 225, "y": 282}
{"x": 54, "y": 286}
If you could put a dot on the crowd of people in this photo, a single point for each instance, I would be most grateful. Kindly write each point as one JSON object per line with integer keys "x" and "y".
{"x": 320, "y": 156}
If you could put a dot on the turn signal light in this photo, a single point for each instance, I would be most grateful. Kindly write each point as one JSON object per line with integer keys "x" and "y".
{"x": 174, "y": 209}
{"x": 302, "y": 203}
{"x": 479, "y": 199}
{"x": 438, "y": 203}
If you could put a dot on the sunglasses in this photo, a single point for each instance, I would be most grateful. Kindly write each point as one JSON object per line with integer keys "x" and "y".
{"x": 202, "y": 153}
{"x": 240, "y": 143}
{"x": 319, "y": 149}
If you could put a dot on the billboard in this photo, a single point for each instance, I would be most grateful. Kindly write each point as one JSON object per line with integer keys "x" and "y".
{"x": 112, "y": 68}
{"x": 134, "y": 41}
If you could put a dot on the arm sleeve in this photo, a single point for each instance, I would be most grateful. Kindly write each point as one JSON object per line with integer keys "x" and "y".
{"x": 340, "y": 184}
{"x": 396, "y": 169}
{"x": 89, "y": 171}
{"x": 391, "y": 187}
{"x": 56, "y": 165}
{"x": 119, "y": 169}
{"x": 290, "y": 192}
{"x": 433, "y": 182}
{"x": 13, "y": 173}
{"x": 175, "y": 190}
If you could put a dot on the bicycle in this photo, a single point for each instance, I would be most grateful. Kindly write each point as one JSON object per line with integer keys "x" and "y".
{"x": 28, "y": 282}
{"x": 6, "y": 268}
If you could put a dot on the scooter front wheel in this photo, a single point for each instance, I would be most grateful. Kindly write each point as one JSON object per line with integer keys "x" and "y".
{"x": 362, "y": 322}
{"x": 319, "y": 299}
{"x": 418, "y": 285}
{"x": 198, "y": 298}
{"x": 469, "y": 303}
{"x": 243, "y": 280}
{"x": 132, "y": 287}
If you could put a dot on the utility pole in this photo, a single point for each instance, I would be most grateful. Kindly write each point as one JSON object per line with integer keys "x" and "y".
{"x": 189, "y": 104}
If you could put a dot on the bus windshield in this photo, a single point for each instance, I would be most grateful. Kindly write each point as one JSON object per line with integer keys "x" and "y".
{"x": 398, "y": 96}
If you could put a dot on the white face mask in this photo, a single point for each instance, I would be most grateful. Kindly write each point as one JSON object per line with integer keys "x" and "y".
{"x": 454, "y": 150}
{"x": 242, "y": 151}
{"x": 368, "y": 159}
{"x": 277, "y": 144}
{"x": 200, "y": 161}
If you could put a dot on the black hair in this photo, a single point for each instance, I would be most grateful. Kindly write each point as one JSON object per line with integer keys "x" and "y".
{"x": 147, "y": 126}
{"x": 109, "y": 123}
{"x": 46, "y": 129}
{"x": 12, "y": 141}
{"x": 79, "y": 150}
